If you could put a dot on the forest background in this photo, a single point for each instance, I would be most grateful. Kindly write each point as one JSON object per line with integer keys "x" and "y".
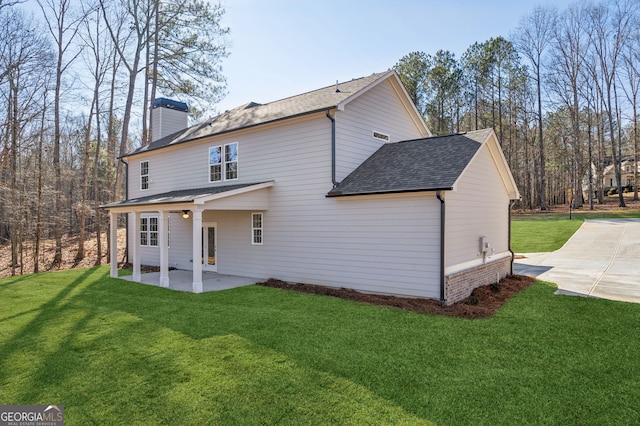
{"x": 561, "y": 92}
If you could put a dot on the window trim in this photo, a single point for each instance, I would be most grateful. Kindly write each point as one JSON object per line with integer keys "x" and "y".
{"x": 144, "y": 175}
{"x": 257, "y": 241}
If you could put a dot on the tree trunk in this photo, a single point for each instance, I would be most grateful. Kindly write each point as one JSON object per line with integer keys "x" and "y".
{"x": 617, "y": 146}
{"x": 12, "y": 113}
{"x": 541, "y": 202}
{"x": 36, "y": 253}
{"x": 85, "y": 179}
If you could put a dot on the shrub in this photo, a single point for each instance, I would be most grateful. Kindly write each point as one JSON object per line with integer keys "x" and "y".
{"x": 471, "y": 300}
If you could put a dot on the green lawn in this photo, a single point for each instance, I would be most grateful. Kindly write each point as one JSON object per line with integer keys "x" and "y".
{"x": 114, "y": 352}
{"x": 532, "y": 235}
{"x": 549, "y": 232}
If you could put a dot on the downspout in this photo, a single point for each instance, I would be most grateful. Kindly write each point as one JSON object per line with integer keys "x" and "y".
{"x": 442, "y": 251}
{"x": 513, "y": 255}
{"x": 126, "y": 218}
{"x": 333, "y": 148}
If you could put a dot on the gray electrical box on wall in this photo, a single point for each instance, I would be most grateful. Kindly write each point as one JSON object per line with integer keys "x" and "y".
{"x": 484, "y": 245}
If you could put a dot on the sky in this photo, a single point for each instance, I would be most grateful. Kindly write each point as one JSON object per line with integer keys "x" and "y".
{"x": 280, "y": 48}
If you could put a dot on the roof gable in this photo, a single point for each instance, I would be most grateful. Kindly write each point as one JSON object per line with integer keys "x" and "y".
{"x": 429, "y": 164}
{"x": 254, "y": 114}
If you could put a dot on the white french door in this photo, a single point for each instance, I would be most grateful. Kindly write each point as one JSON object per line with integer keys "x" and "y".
{"x": 209, "y": 247}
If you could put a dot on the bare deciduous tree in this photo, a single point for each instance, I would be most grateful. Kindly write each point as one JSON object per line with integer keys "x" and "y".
{"x": 63, "y": 28}
{"x": 533, "y": 36}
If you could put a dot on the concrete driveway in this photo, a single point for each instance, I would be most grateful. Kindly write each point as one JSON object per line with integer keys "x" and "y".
{"x": 602, "y": 259}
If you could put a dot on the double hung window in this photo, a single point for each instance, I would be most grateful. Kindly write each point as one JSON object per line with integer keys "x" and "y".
{"x": 231, "y": 161}
{"x": 149, "y": 231}
{"x": 223, "y": 165}
{"x": 256, "y": 228}
{"x": 144, "y": 175}
{"x": 215, "y": 164}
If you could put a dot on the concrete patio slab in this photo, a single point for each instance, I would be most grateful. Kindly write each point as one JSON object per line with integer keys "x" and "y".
{"x": 181, "y": 280}
{"x": 602, "y": 259}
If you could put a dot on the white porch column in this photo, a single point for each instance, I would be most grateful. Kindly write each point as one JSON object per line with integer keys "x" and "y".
{"x": 134, "y": 247}
{"x": 113, "y": 237}
{"x": 163, "y": 219}
{"x": 197, "y": 251}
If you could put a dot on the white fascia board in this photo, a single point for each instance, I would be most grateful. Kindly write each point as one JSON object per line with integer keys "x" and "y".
{"x": 503, "y": 167}
{"x": 151, "y": 208}
{"x": 204, "y": 199}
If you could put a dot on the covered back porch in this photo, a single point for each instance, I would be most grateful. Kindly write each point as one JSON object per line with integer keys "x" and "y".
{"x": 190, "y": 204}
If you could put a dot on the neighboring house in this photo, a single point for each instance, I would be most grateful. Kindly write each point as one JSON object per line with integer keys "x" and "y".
{"x": 342, "y": 186}
{"x": 626, "y": 169}
{"x": 609, "y": 179}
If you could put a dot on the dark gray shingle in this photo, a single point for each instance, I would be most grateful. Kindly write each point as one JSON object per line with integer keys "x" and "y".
{"x": 428, "y": 164}
{"x": 253, "y": 114}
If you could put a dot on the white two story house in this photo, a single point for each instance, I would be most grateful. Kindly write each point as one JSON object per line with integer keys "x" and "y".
{"x": 342, "y": 186}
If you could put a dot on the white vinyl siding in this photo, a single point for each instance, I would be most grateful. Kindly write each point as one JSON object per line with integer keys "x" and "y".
{"x": 166, "y": 121}
{"x": 480, "y": 190}
{"x": 266, "y": 155}
{"x": 378, "y": 110}
{"x": 384, "y": 244}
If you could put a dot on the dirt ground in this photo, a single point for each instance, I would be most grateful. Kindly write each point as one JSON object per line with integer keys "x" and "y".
{"x": 483, "y": 302}
{"x": 69, "y": 250}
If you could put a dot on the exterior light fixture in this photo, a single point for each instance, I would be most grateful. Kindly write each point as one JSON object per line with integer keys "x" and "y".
{"x": 185, "y": 214}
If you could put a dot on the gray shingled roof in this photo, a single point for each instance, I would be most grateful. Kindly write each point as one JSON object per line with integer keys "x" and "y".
{"x": 253, "y": 114}
{"x": 428, "y": 164}
{"x": 180, "y": 196}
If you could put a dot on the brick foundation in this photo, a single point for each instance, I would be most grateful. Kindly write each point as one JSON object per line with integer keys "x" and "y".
{"x": 459, "y": 285}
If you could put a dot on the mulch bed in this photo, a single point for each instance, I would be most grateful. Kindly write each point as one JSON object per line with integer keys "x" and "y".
{"x": 483, "y": 302}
